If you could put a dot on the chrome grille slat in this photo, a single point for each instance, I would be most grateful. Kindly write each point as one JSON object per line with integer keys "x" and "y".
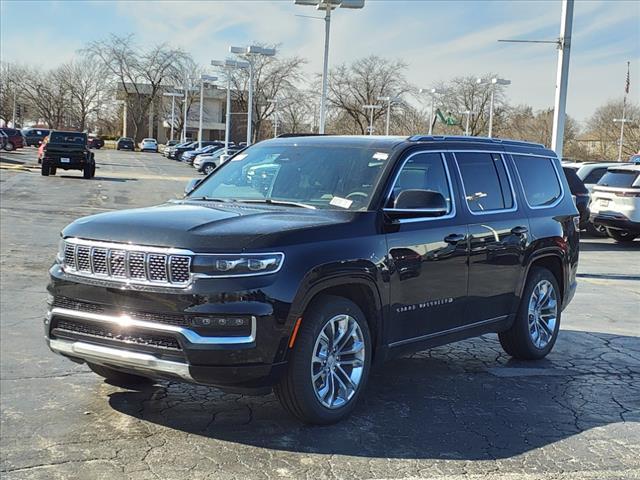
{"x": 127, "y": 263}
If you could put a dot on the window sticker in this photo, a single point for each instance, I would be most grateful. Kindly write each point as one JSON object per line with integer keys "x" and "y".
{"x": 340, "y": 202}
{"x": 380, "y": 156}
{"x": 239, "y": 157}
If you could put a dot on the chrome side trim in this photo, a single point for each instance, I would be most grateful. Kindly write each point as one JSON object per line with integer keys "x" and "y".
{"x": 127, "y": 321}
{"x": 451, "y": 214}
{"x": 143, "y": 362}
{"x": 461, "y": 328}
{"x": 514, "y": 208}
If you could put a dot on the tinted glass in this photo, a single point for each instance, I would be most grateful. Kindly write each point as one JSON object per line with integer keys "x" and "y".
{"x": 618, "y": 178}
{"x": 68, "y": 137}
{"x": 595, "y": 175}
{"x": 575, "y": 184}
{"x": 334, "y": 177}
{"x": 485, "y": 181}
{"x": 539, "y": 179}
{"x": 423, "y": 171}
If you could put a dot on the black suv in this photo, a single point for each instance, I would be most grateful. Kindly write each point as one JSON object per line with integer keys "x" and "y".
{"x": 34, "y": 136}
{"x": 357, "y": 250}
{"x": 68, "y": 151}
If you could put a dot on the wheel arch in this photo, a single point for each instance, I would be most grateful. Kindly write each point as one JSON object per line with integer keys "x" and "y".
{"x": 552, "y": 260}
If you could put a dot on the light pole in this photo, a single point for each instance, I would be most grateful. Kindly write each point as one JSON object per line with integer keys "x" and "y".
{"x": 276, "y": 117}
{"x": 203, "y": 79}
{"x": 327, "y": 6}
{"x": 227, "y": 66}
{"x": 249, "y": 53}
{"x": 432, "y": 93}
{"x": 468, "y": 113}
{"x": 493, "y": 82}
{"x": 389, "y": 100}
{"x": 621, "y": 121}
{"x": 173, "y": 96}
{"x": 372, "y": 108}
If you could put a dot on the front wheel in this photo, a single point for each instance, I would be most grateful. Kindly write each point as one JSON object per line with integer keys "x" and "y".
{"x": 115, "y": 376}
{"x": 535, "y": 328}
{"x": 89, "y": 171}
{"x": 9, "y": 147}
{"x": 329, "y": 365}
{"x": 621, "y": 235}
{"x": 208, "y": 168}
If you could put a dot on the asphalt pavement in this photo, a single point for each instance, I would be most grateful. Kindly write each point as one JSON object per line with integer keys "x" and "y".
{"x": 465, "y": 410}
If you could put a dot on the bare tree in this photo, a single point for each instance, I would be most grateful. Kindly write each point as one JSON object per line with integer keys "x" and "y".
{"x": 85, "y": 82}
{"x": 606, "y": 133}
{"x": 361, "y": 83}
{"x": 47, "y": 95}
{"x": 140, "y": 75}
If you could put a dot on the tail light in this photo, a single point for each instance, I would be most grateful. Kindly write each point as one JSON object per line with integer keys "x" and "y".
{"x": 627, "y": 194}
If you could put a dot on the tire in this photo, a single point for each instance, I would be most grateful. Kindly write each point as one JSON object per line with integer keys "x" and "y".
{"x": 208, "y": 168}
{"x": 87, "y": 171}
{"x": 528, "y": 339}
{"x": 44, "y": 170}
{"x": 297, "y": 391}
{"x": 9, "y": 147}
{"x": 622, "y": 236}
{"x": 117, "y": 377}
{"x": 596, "y": 230}
{"x": 52, "y": 170}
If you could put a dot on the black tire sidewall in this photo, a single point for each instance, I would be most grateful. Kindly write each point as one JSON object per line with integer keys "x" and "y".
{"x": 316, "y": 316}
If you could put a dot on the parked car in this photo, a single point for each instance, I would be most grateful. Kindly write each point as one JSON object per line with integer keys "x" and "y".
{"x": 615, "y": 202}
{"x": 182, "y": 147}
{"x": 180, "y": 151}
{"x": 580, "y": 195}
{"x": 590, "y": 172}
{"x": 149, "y": 145}
{"x": 14, "y": 140}
{"x": 95, "y": 142}
{"x": 635, "y": 159}
{"x": 363, "y": 248}
{"x": 125, "y": 143}
{"x": 169, "y": 143}
{"x": 3, "y": 139}
{"x": 208, "y": 163}
{"x": 34, "y": 136}
{"x": 189, "y": 156}
{"x": 68, "y": 151}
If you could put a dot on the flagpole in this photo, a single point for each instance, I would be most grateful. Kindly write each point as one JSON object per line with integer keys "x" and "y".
{"x": 624, "y": 107}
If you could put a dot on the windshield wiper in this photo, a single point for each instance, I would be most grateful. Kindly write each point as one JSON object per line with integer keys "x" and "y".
{"x": 204, "y": 198}
{"x": 279, "y": 202}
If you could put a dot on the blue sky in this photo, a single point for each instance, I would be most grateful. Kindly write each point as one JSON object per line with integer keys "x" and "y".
{"x": 437, "y": 39}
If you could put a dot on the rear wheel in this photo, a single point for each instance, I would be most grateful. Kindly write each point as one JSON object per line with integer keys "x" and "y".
{"x": 89, "y": 170}
{"x": 208, "y": 168}
{"x": 52, "y": 170}
{"x": 596, "y": 230}
{"x": 9, "y": 147}
{"x": 621, "y": 235}
{"x": 44, "y": 170}
{"x": 329, "y": 365}
{"x": 535, "y": 328}
{"x": 115, "y": 376}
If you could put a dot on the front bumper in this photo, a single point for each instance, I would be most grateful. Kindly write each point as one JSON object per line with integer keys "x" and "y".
{"x": 616, "y": 221}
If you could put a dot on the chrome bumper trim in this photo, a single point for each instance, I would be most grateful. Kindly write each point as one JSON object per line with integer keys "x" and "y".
{"x": 142, "y": 362}
{"x": 127, "y": 321}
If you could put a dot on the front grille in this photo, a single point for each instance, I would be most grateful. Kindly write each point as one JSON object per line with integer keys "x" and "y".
{"x": 115, "y": 333}
{"x": 81, "y": 306}
{"x": 127, "y": 264}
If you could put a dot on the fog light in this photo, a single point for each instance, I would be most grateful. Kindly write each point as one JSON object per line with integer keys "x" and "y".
{"x": 217, "y": 322}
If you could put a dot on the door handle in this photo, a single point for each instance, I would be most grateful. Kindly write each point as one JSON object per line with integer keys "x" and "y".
{"x": 519, "y": 230}
{"x": 455, "y": 238}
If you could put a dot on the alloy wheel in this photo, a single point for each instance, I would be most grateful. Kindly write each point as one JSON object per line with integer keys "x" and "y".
{"x": 338, "y": 361}
{"x": 542, "y": 314}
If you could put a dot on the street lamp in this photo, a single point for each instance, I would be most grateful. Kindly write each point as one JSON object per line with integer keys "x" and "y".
{"x": 432, "y": 93}
{"x": 493, "y": 82}
{"x": 227, "y": 66}
{"x": 276, "y": 116}
{"x": 173, "y": 96}
{"x": 203, "y": 79}
{"x": 621, "y": 121}
{"x": 389, "y": 100}
{"x": 468, "y": 113}
{"x": 327, "y": 6}
{"x": 249, "y": 53}
{"x": 372, "y": 108}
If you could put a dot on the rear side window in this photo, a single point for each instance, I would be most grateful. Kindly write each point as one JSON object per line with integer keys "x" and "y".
{"x": 595, "y": 175}
{"x": 485, "y": 181}
{"x": 618, "y": 178}
{"x": 575, "y": 184}
{"x": 539, "y": 180}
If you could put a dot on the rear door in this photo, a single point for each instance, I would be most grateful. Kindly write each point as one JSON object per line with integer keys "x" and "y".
{"x": 498, "y": 232}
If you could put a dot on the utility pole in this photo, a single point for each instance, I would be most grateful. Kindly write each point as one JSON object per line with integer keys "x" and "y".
{"x": 623, "y": 120}
{"x": 185, "y": 108}
{"x": 372, "y": 108}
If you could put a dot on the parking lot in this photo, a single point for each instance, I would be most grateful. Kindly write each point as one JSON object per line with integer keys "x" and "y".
{"x": 463, "y": 410}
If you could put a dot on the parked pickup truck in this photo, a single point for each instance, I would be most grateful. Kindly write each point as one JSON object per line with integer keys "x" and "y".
{"x": 69, "y": 151}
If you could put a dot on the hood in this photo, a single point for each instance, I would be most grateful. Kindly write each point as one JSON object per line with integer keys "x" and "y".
{"x": 209, "y": 227}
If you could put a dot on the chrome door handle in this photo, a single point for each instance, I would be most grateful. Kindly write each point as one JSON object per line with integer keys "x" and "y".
{"x": 519, "y": 230}
{"x": 455, "y": 238}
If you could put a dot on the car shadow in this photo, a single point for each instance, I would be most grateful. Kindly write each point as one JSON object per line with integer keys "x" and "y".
{"x": 463, "y": 401}
{"x": 589, "y": 245}
{"x": 101, "y": 179}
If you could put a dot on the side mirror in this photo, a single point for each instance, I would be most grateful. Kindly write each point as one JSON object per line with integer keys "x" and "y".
{"x": 418, "y": 203}
{"x": 191, "y": 185}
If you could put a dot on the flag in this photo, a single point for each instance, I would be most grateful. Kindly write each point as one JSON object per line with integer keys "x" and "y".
{"x": 628, "y": 82}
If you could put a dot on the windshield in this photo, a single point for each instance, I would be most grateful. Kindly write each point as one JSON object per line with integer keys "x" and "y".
{"x": 619, "y": 178}
{"x": 335, "y": 177}
{"x": 65, "y": 137}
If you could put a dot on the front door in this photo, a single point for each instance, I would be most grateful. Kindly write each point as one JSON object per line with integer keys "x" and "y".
{"x": 498, "y": 232}
{"x": 427, "y": 257}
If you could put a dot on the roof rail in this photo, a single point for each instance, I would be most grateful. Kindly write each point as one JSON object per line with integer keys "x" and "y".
{"x": 459, "y": 138}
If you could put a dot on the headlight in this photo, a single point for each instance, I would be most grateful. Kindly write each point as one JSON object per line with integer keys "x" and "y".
{"x": 230, "y": 265}
{"x": 60, "y": 254}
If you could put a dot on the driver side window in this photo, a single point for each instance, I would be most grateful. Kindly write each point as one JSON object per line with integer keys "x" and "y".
{"x": 423, "y": 171}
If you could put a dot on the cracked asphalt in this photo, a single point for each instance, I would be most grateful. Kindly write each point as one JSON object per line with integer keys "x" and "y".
{"x": 461, "y": 411}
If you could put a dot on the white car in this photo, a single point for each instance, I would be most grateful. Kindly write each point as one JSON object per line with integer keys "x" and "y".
{"x": 590, "y": 172}
{"x": 615, "y": 202}
{"x": 149, "y": 145}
